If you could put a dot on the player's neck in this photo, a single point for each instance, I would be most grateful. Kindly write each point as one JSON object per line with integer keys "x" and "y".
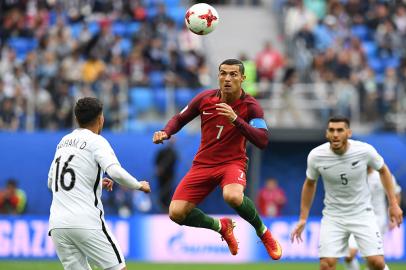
{"x": 342, "y": 150}
{"x": 93, "y": 128}
{"x": 230, "y": 98}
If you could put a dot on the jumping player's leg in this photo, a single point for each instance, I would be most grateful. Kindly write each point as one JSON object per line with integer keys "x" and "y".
{"x": 193, "y": 188}
{"x": 233, "y": 184}
{"x": 186, "y": 213}
{"x": 233, "y": 194}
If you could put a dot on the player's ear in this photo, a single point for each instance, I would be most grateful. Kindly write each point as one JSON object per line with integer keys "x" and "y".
{"x": 349, "y": 133}
{"x": 243, "y": 77}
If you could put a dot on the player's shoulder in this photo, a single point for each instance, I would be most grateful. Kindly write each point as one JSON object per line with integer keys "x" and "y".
{"x": 208, "y": 93}
{"x": 360, "y": 146}
{"x": 322, "y": 149}
{"x": 247, "y": 98}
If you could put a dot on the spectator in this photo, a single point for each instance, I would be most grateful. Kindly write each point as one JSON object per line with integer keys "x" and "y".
{"x": 8, "y": 115}
{"x": 289, "y": 106}
{"x": 268, "y": 62}
{"x": 249, "y": 85}
{"x": 12, "y": 199}
{"x": 165, "y": 162}
{"x": 271, "y": 199}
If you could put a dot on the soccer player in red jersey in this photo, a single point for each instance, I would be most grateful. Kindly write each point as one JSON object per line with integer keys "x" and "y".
{"x": 229, "y": 117}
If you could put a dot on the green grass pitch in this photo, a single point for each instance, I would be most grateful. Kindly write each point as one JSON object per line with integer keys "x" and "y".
{"x": 54, "y": 265}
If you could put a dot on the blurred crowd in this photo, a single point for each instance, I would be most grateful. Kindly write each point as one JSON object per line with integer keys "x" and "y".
{"x": 130, "y": 52}
{"x": 54, "y": 52}
{"x": 353, "y": 44}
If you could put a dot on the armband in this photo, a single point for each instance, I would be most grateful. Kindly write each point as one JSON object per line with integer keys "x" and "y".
{"x": 258, "y": 123}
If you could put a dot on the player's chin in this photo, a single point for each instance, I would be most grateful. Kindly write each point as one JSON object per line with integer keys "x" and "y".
{"x": 227, "y": 89}
{"x": 336, "y": 145}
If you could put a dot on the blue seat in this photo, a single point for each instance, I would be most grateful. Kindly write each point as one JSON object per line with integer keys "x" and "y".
{"x": 370, "y": 48}
{"x": 156, "y": 79}
{"x": 132, "y": 28}
{"x": 18, "y": 44}
{"x": 76, "y": 29}
{"x": 183, "y": 96}
{"x": 141, "y": 100}
{"x": 361, "y": 31}
{"x": 392, "y": 62}
{"x": 151, "y": 12}
{"x": 118, "y": 28}
{"x": 126, "y": 45}
{"x": 172, "y": 3}
{"x": 160, "y": 99}
{"x": 376, "y": 64}
{"x": 94, "y": 27}
{"x": 177, "y": 14}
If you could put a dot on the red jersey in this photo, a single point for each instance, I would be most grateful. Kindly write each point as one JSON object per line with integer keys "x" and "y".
{"x": 222, "y": 141}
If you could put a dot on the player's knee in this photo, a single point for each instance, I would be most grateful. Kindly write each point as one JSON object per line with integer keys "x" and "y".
{"x": 177, "y": 216}
{"x": 234, "y": 199}
{"x": 376, "y": 263}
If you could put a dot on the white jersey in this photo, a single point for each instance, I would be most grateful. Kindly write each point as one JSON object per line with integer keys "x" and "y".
{"x": 344, "y": 176}
{"x": 379, "y": 196}
{"x": 75, "y": 178}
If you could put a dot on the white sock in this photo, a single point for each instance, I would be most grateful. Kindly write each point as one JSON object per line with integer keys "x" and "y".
{"x": 352, "y": 265}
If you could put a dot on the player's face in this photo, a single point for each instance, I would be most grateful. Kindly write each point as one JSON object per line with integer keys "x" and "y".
{"x": 230, "y": 79}
{"x": 337, "y": 134}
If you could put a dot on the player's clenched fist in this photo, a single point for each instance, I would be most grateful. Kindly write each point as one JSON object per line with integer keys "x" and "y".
{"x": 145, "y": 187}
{"x": 159, "y": 137}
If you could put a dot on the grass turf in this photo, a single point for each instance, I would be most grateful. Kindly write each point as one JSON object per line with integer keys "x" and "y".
{"x": 54, "y": 265}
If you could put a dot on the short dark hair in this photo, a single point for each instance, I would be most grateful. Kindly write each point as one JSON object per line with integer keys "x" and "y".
{"x": 233, "y": 62}
{"x": 87, "y": 110}
{"x": 339, "y": 118}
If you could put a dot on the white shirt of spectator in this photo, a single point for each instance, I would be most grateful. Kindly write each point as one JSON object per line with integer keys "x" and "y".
{"x": 75, "y": 178}
{"x": 379, "y": 196}
{"x": 344, "y": 177}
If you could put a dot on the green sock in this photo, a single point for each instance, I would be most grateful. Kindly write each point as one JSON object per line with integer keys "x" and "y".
{"x": 197, "y": 218}
{"x": 248, "y": 212}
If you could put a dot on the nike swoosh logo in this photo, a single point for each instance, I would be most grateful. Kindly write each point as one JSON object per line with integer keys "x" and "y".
{"x": 325, "y": 168}
{"x": 207, "y": 112}
{"x": 354, "y": 163}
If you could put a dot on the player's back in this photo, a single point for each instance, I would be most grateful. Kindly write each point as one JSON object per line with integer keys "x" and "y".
{"x": 76, "y": 182}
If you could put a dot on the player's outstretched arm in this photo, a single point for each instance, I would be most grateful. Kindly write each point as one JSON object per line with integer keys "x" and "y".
{"x": 395, "y": 213}
{"x": 121, "y": 176}
{"x": 308, "y": 191}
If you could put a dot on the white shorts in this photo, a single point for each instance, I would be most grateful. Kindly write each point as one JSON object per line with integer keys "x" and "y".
{"x": 75, "y": 246}
{"x": 382, "y": 225}
{"x": 335, "y": 233}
